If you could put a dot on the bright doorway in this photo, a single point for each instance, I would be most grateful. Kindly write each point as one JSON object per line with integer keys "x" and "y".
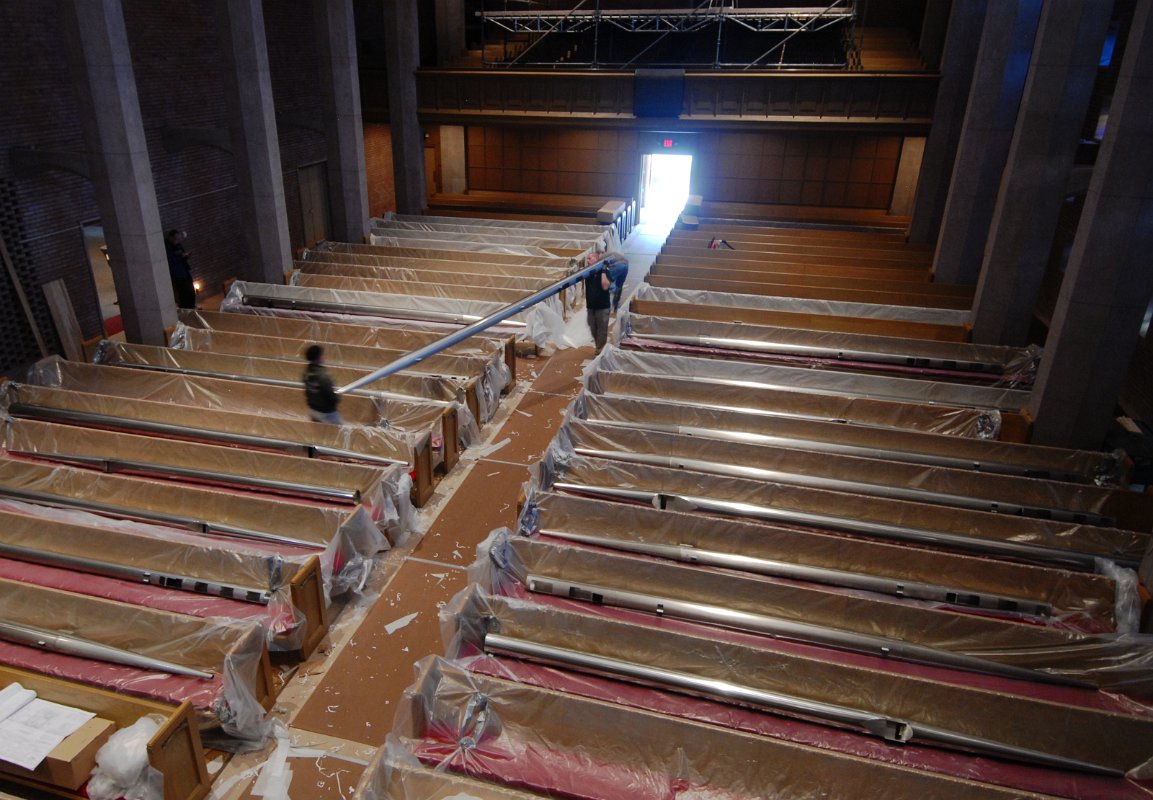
{"x": 664, "y": 187}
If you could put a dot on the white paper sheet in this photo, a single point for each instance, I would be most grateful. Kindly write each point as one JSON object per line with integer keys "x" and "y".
{"x": 31, "y": 728}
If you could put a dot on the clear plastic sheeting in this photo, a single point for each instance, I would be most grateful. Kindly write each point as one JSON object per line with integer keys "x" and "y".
{"x": 1050, "y": 543}
{"x": 522, "y": 283}
{"x": 232, "y": 651}
{"x": 465, "y": 245}
{"x": 1078, "y": 466}
{"x": 1006, "y": 366}
{"x": 836, "y": 308}
{"x": 968, "y": 643}
{"x": 427, "y": 289}
{"x": 485, "y": 345}
{"x": 395, "y": 773}
{"x": 448, "y": 376}
{"x": 1111, "y": 732}
{"x": 369, "y": 305}
{"x": 588, "y": 237}
{"x": 578, "y": 228}
{"x": 786, "y": 404}
{"x": 964, "y": 582}
{"x": 383, "y": 491}
{"x": 792, "y": 464}
{"x": 359, "y": 443}
{"x": 796, "y": 379}
{"x": 557, "y": 245}
{"x": 401, "y": 409}
{"x": 561, "y": 745}
{"x": 565, "y": 263}
{"x": 444, "y": 266}
{"x": 407, "y": 422}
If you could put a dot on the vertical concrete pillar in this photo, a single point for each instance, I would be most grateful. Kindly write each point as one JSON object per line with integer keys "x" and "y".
{"x": 934, "y": 27}
{"x": 450, "y": 42}
{"x": 960, "y": 53}
{"x": 255, "y": 148}
{"x": 1062, "y": 71}
{"x": 1108, "y": 283}
{"x": 998, "y": 80}
{"x": 402, "y": 57}
{"x": 908, "y": 168}
{"x": 340, "y": 83}
{"x": 118, "y": 160}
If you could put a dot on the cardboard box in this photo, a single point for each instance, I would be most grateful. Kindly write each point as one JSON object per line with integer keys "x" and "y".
{"x": 71, "y": 762}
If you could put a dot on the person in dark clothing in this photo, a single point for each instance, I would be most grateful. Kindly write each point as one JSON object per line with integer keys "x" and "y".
{"x": 183, "y": 289}
{"x": 602, "y": 291}
{"x": 319, "y": 390}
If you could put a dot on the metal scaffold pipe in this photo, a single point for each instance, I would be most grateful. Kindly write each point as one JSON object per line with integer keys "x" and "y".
{"x": 456, "y": 337}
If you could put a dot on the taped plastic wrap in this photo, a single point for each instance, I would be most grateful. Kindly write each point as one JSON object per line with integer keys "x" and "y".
{"x": 465, "y": 246}
{"x": 351, "y": 442}
{"x": 403, "y": 339}
{"x": 289, "y": 475}
{"x": 792, "y": 464}
{"x": 275, "y": 370}
{"x": 795, "y": 379}
{"x": 453, "y": 253}
{"x": 589, "y": 229}
{"x": 1058, "y": 543}
{"x": 1082, "y": 600}
{"x": 434, "y": 291}
{"x": 232, "y": 650}
{"x": 395, "y": 773}
{"x": 444, "y": 264}
{"x": 1079, "y": 466}
{"x": 242, "y": 296}
{"x": 394, "y": 233}
{"x": 122, "y": 769}
{"x": 1006, "y": 366}
{"x": 784, "y": 403}
{"x": 1094, "y": 728}
{"x": 525, "y": 284}
{"x": 935, "y": 316}
{"x": 561, "y": 745}
{"x": 1119, "y": 662}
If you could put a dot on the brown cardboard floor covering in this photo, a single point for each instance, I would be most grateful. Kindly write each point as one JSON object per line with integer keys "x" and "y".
{"x": 358, "y": 695}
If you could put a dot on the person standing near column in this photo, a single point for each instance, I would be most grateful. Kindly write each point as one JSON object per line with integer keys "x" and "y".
{"x": 183, "y": 287}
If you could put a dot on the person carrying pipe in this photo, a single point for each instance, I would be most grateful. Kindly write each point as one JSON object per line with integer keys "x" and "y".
{"x": 319, "y": 391}
{"x": 603, "y": 291}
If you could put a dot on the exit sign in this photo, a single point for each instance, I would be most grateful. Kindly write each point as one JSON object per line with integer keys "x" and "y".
{"x": 667, "y": 143}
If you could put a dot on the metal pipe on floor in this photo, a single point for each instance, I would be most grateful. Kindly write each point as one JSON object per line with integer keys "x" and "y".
{"x": 856, "y": 487}
{"x": 917, "y": 590}
{"x": 891, "y": 729}
{"x": 1050, "y": 556}
{"x": 931, "y": 459}
{"x": 44, "y": 639}
{"x": 833, "y": 353}
{"x": 164, "y": 580}
{"x": 116, "y": 465}
{"x": 416, "y": 356}
{"x": 124, "y": 512}
{"x": 791, "y": 630}
{"x": 26, "y": 411}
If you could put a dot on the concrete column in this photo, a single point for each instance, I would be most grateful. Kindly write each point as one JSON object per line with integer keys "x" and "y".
{"x": 1061, "y": 76}
{"x": 450, "y": 42}
{"x": 1108, "y": 283}
{"x": 934, "y": 27}
{"x": 960, "y": 53}
{"x": 118, "y": 161}
{"x": 998, "y": 80}
{"x": 402, "y": 57}
{"x": 255, "y": 148}
{"x": 340, "y": 83}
